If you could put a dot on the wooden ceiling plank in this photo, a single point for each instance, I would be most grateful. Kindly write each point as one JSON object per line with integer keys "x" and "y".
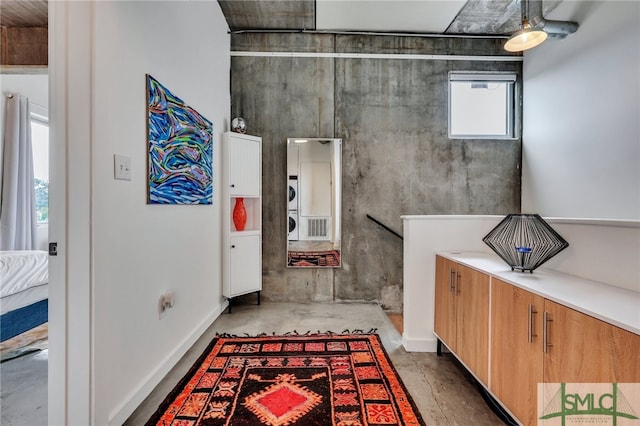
{"x": 24, "y": 13}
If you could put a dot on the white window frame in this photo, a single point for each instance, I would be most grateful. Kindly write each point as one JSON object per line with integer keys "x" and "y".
{"x": 512, "y": 118}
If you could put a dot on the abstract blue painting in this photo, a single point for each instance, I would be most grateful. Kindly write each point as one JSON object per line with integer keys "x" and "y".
{"x": 180, "y": 144}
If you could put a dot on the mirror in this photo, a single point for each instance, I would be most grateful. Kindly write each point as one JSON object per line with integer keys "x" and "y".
{"x": 314, "y": 170}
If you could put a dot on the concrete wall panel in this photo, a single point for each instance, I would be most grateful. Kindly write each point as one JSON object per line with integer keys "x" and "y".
{"x": 397, "y": 159}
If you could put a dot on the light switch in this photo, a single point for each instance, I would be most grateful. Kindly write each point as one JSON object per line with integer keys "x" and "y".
{"x": 122, "y": 167}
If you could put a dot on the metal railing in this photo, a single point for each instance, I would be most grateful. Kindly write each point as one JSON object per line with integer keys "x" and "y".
{"x": 385, "y": 226}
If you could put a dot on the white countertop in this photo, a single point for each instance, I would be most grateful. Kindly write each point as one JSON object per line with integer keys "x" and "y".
{"x": 614, "y": 305}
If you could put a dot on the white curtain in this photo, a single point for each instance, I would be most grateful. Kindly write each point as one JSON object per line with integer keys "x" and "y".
{"x": 18, "y": 220}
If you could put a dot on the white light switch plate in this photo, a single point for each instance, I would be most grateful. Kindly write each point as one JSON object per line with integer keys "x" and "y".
{"x": 122, "y": 167}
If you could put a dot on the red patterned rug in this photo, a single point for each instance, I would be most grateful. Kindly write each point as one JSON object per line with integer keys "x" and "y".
{"x": 314, "y": 258}
{"x": 311, "y": 380}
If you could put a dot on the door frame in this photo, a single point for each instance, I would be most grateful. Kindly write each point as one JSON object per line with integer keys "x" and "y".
{"x": 70, "y": 390}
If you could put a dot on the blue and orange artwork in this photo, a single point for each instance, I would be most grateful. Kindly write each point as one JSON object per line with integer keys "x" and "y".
{"x": 180, "y": 150}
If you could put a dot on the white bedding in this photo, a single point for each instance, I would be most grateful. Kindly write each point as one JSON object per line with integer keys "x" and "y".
{"x": 24, "y": 298}
{"x": 22, "y": 270}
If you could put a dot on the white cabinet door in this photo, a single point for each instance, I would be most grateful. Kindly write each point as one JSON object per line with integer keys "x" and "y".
{"x": 245, "y": 265}
{"x": 244, "y": 166}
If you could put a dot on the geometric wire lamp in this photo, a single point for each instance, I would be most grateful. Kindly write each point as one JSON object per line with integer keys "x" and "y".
{"x": 525, "y": 241}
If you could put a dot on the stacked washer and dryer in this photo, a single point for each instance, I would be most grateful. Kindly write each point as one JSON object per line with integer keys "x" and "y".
{"x": 294, "y": 226}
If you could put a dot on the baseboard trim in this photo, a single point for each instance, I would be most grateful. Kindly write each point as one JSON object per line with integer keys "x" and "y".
{"x": 131, "y": 402}
{"x": 419, "y": 344}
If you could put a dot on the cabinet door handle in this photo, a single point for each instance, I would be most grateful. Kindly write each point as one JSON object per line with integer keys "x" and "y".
{"x": 233, "y": 246}
{"x": 545, "y": 332}
{"x": 232, "y": 185}
{"x": 452, "y": 285}
{"x": 458, "y": 282}
{"x": 531, "y": 334}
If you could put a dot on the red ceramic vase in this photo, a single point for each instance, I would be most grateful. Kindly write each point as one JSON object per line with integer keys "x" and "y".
{"x": 239, "y": 215}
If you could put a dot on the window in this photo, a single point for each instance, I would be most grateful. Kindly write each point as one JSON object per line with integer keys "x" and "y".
{"x": 482, "y": 105}
{"x": 40, "y": 147}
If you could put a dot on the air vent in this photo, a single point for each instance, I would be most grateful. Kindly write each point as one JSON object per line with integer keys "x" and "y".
{"x": 318, "y": 227}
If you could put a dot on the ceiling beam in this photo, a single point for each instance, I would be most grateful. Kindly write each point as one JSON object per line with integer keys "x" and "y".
{"x": 24, "y": 46}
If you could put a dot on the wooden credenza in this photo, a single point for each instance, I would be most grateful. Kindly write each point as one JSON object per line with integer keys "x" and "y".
{"x": 462, "y": 294}
{"x": 519, "y": 329}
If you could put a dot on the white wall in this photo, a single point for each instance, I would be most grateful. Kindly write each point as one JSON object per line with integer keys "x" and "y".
{"x": 36, "y": 88}
{"x": 581, "y": 124}
{"x": 137, "y": 251}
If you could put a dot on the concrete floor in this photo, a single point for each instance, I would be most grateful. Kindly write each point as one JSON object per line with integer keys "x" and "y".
{"x": 440, "y": 388}
{"x": 23, "y": 390}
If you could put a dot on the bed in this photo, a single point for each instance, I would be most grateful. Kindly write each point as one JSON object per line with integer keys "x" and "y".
{"x": 24, "y": 291}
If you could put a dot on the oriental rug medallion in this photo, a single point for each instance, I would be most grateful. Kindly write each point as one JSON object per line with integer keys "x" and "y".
{"x": 310, "y": 380}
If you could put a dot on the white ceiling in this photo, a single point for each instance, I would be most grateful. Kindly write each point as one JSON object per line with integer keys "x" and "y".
{"x": 419, "y": 16}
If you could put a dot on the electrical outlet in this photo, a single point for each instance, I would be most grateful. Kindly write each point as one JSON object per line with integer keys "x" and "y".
{"x": 122, "y": 167}
{"x": 167, "y": 300}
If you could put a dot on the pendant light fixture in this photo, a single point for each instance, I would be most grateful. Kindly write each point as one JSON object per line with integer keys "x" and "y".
{"x": 536, "y": 29}
{"x": 526, "y": 38}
